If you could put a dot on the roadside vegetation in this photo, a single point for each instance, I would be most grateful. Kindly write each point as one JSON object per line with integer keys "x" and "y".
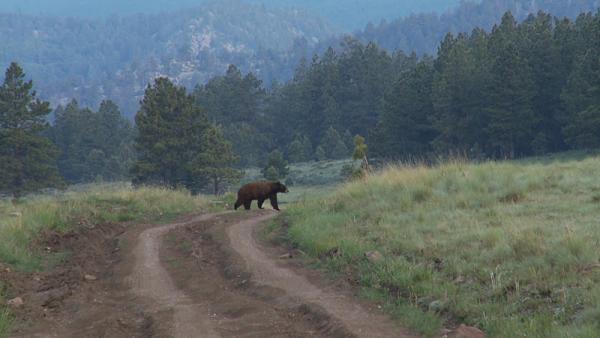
{"x": 508, "y": 247}
{"x": 23, "y": 221}
{"x": 313, "y": 173}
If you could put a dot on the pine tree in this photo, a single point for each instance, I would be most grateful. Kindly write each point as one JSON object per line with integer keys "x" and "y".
{"x": 170, "y": 135}
{"x": 216, "y": 161}
{"x": 94, "y": 146}
{"x": 296, "y": 152}
{"x": 72, "y": 133}
{"x": 27, "y": 159}
{"x": 458, "y": 93}
{"x": 320, "y": 154}
{"x": 543, "y": 57}
{"x": 581, "y": 98}
{"x": 405, "y": 122}
{"x": 114, "y": 136}
{"x": 334, "y": 145}
{"x": 277, "y": 167}
{"x": 511, "y": 92}
{"x": 235, "y": 101}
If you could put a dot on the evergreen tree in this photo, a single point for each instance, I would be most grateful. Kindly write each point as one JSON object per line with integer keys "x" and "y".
{"x": 510, "y": 109}
{"x": 348, "y": 139}
{"x": 296, "y": 151}
{"x": 334, "y": 145}
{"x": 235, "y": 101}
{"x": 320, "y": 154}
{"x": 308, "y": 148}
{"x": 277, "y": 167}
{"x": 27, "y": 159}
{"x": 216, "y": 161}
{"x": 171, "y": 131}
{"x": 543, "y": 57}
{"x": 405, "y": 124}
{"x": 271, "y": 174}
{"x": 582, "y": 100}
{"x": 94, "y": 146}
{"x": 72, "y": 133}
{"x": 458, "y": 93}
{"x": 114, "y": 137}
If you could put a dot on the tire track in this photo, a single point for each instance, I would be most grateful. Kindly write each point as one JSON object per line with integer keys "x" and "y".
{"x": 149, "y": 279}
{"x": 265, "y": 271}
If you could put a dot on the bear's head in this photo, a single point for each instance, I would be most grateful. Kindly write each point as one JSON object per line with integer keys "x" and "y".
{"x": 281, "y": 188}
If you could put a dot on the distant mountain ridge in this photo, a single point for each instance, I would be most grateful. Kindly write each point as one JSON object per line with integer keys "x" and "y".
{"x": 115, "y": 58}
{"x": 349, "y": 15}
{"x": 423, "y": 32}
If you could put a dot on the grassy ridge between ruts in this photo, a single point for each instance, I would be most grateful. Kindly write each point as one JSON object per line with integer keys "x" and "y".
{"x": 21, "y": 223}
{"x": 511, "y": 247}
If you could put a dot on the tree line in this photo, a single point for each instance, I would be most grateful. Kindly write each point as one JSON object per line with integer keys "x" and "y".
{"x": 521, "y": 89}
{"x": 173, "y": 143}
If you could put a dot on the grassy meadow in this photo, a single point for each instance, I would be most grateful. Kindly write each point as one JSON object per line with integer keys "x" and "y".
{"x": 308, "y": 174}
{"x": 509, "y": 247}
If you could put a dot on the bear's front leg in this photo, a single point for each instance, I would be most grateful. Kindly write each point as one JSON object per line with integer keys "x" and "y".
{"x": 273, "y": 200}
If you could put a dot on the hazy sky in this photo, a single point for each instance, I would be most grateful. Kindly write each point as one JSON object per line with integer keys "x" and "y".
{"x": 346, "y": 14}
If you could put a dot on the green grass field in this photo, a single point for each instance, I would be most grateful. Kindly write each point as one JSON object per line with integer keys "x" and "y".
{"x": 308, "y": 174}
{"x": 511, "y": 247}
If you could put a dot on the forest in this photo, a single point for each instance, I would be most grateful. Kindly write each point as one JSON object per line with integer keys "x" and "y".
{"x": 115, "y": 57}
{"x": 521, "y": 89}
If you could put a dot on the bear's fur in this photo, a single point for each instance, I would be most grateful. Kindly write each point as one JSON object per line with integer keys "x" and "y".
{"x": 259, "y": 191}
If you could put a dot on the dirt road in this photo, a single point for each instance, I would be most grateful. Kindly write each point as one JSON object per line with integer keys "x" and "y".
{"x": 149, "y": 279}
{"x": 205, "y": 276}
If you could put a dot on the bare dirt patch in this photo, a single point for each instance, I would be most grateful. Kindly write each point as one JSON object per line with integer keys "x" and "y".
{"x": 64, "y": 303}
{"x": 205, "y": 276}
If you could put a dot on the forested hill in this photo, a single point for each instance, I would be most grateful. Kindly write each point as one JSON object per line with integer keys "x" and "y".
{"x": 95, "y": 59}
{"x": 116, "y": 58}
{"x": 422, "y": 33}
{"x": 349, "y": 15}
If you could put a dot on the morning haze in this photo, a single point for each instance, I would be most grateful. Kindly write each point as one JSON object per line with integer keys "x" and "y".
{"x": 338, "y": 168}
{"x": 346, "y": 14}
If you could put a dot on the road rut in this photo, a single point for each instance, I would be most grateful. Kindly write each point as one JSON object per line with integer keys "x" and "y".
{"x": 265, "y": 270}
{"x": 149, "y": 279}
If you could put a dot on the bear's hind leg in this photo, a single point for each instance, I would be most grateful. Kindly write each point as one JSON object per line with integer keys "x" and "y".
{"x": 260, "y": 203}
{"x": 247, "y": 205}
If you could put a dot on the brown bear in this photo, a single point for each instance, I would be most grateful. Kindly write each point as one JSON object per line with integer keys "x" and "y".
{"x": 259, "y": 191}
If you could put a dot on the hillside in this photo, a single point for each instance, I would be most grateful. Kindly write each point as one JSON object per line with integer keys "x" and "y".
{"x": 115, "y": 58}
{"x": 346, "y": 14}
{"x": 508, "y": 247}
{"x": 423, "y": 32}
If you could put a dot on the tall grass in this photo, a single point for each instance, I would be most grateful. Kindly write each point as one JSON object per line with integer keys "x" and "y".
{"x": 20, "y": 223}
{"x": 509, "y": 247}
{"x": 5, "y": 317}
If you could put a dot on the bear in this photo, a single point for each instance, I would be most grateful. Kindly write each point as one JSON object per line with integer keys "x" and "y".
{"x": 260, "y": 191}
